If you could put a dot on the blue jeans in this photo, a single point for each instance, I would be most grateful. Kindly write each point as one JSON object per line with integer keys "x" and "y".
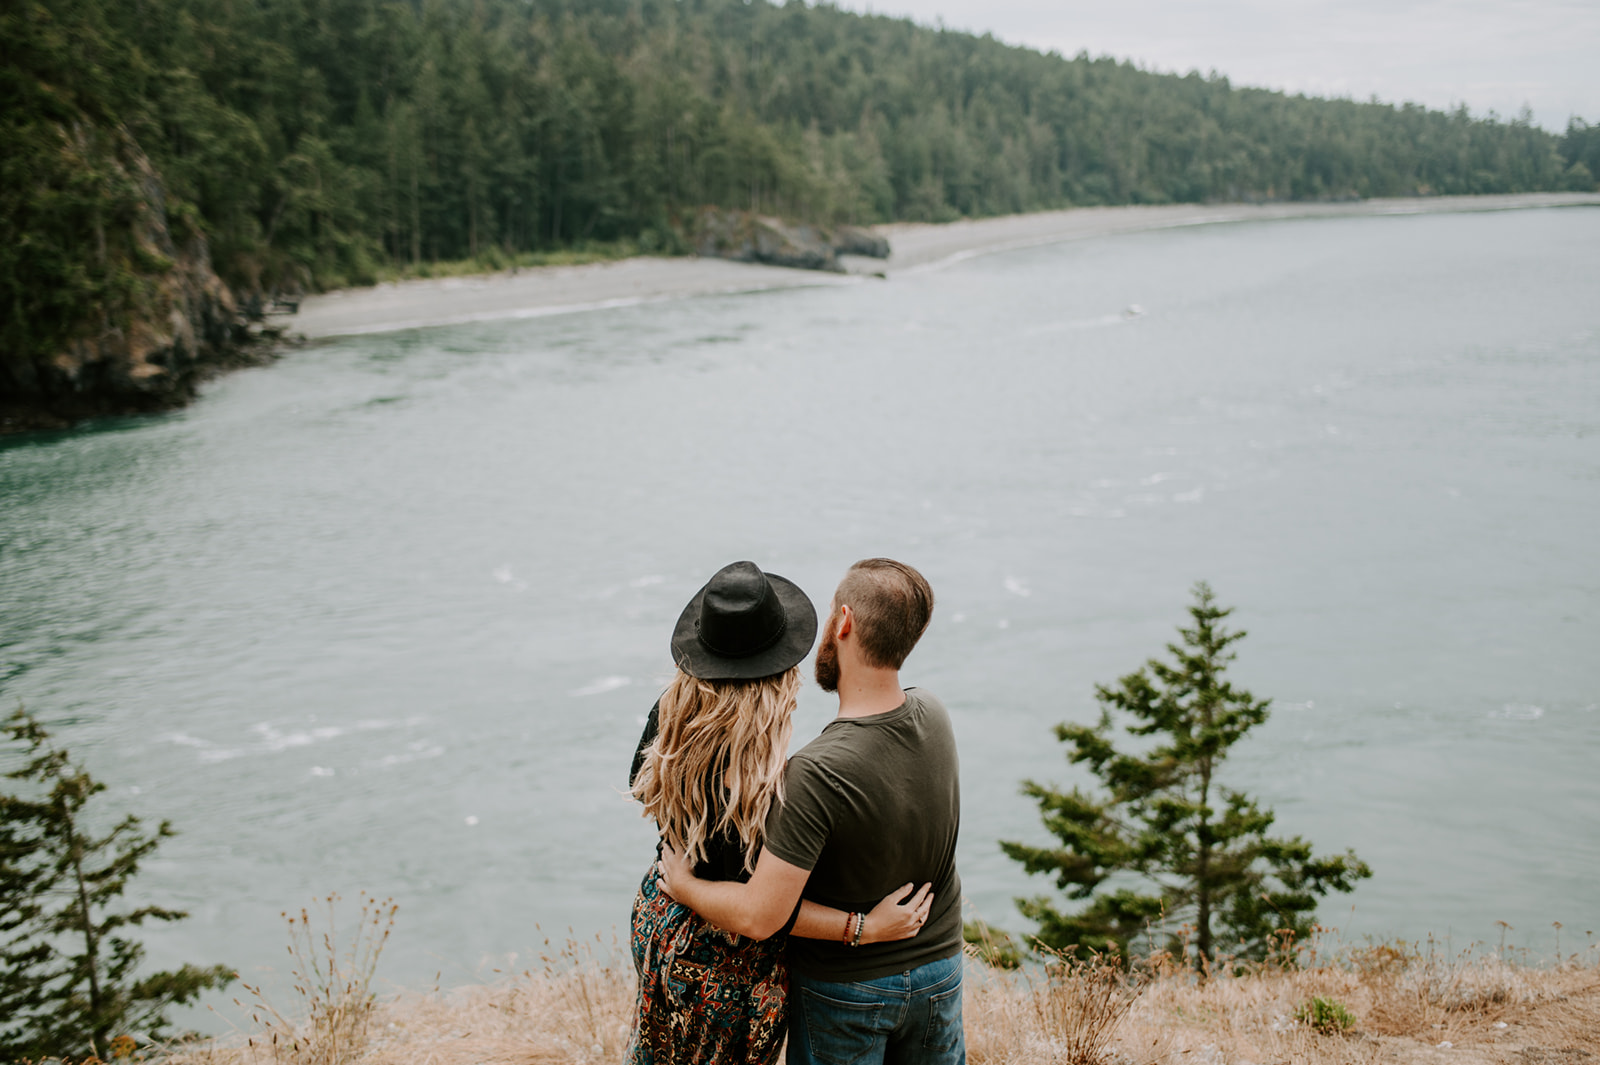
{"x": 910, "y": 1018}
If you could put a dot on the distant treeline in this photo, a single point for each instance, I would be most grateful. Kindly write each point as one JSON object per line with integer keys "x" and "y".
{"x": 313, "y": 141}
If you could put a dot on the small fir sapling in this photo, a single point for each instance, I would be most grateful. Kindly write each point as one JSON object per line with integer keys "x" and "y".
{"x": 1163, "y": 842}
{"x": 67, "y": 967}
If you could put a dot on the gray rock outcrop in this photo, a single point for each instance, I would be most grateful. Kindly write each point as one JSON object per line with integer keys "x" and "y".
{"x": 751, "y": 238}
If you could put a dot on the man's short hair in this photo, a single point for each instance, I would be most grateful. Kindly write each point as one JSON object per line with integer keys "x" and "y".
{"x": 892, "y": 604}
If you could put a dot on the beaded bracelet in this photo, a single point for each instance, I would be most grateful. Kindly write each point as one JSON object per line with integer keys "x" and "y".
{"x": 861, "y": 923}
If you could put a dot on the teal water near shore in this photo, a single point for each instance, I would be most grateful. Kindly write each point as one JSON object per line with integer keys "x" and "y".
{"x": 389, "y": 613}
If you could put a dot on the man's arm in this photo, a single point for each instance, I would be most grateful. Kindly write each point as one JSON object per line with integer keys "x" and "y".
{"x": 756, "y": 909}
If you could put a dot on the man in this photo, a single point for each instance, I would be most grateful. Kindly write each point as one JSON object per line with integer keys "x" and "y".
{"x": 871, "y": 803}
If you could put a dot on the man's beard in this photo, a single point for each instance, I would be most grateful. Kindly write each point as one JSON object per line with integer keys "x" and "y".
{"x": 827, "y": 671}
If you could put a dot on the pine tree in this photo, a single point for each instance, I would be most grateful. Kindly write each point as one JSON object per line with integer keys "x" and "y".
{"x": 1167, "y": 844}
{"x": 67, "y": 983}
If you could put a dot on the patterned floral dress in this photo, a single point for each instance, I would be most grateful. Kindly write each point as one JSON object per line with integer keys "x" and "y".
{"x": 706, "y": 997}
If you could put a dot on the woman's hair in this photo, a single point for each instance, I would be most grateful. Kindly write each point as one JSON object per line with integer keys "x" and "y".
{"x": 717, "y": 760}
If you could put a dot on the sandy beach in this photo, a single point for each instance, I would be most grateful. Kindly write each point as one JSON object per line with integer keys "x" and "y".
{"x": 566, "y": 289}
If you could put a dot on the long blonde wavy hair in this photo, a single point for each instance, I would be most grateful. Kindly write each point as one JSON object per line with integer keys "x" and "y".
{"x": 717, "y": 760}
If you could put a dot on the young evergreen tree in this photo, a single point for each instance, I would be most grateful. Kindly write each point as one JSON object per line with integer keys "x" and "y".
{"x": 67, "y": 984}
{"x": 1167, "y": 844}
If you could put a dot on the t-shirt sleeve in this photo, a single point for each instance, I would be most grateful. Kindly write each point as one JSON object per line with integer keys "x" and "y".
{"x": 798, "y": 828}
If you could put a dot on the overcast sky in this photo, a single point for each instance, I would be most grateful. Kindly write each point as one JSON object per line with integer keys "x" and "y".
{"x": 1499, "y": 56}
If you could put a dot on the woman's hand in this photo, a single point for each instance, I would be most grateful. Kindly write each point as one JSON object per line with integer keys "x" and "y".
{"x": 898, "y": 917}
{"x": 675, "y": 871}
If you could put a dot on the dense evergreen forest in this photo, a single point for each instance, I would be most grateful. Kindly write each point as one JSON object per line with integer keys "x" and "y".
{"x": 312, "y": 143}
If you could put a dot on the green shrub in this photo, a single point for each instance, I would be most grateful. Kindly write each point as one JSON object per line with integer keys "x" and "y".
{"x": 1325, "y": 1015}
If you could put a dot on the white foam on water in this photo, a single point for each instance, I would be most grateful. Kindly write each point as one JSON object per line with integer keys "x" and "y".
{"x": 601, "y": 686}
{"x": 274, "y": 740}
{"x": 504, "y": 575}
{"x": 1190, "y": 497}
{"x": 1016, "y": 586}
{"x": 1098, "y": 322}
{"x": 645, "y": 582}
{"x": 419, "y": 752}
{"x": 271, "y": 740}
{"x": 1520, "y": 712}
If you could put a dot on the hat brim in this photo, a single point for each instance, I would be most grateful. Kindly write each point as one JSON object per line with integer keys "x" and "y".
{"x": 799, "y": 633}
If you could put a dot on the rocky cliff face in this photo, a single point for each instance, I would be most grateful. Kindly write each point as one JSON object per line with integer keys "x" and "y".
{"x": 751, "y": 238}
{"x": 178, "y": 323}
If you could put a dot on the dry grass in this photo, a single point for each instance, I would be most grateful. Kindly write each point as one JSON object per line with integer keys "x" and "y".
{"x": 1407, "y": 1004}
{"x": 1409, "y": 1007}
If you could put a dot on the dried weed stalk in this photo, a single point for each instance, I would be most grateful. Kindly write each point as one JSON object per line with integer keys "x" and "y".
{"x": 333, "y": 984}
{"x": 1080, "y": 1002}
{"x": 1415, "y": 990}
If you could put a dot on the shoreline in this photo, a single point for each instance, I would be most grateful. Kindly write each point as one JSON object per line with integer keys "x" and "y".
{"x": 915, "y": 247}
{"x": 1400, "y": 1008}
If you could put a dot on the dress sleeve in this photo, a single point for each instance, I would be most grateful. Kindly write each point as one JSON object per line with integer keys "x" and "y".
{"x": 652, "y": 725}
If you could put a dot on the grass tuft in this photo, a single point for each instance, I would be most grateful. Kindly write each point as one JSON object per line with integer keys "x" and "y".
{"x": 333, "y": 982}
{"x": 1325, "y": 1015}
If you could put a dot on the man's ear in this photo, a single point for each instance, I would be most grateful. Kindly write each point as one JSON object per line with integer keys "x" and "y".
{"x": 846, "y": 623}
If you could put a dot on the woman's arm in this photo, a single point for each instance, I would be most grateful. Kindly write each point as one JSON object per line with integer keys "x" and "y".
{"x": 759, "y": 907}
{"x": 756, "y": 909}
{"x": 895, "y": 917}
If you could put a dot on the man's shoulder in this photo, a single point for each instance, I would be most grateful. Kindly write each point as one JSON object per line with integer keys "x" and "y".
{"x": 928, "y": 709}
{"x": 847, "y": 740}
{"x": 825, "y": 748}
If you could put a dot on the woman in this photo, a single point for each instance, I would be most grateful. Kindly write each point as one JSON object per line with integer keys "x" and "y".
{"x": 708, "y": 767}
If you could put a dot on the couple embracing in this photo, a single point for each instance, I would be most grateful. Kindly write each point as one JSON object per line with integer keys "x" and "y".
{"x": 786, "y": 899}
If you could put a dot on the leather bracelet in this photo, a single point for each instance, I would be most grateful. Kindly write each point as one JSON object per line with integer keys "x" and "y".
{"x": 861, "y": 923}
{"x": 847, "y": 919}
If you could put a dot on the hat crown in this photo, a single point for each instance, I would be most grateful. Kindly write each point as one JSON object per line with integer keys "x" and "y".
{"x": 740, "y": 615}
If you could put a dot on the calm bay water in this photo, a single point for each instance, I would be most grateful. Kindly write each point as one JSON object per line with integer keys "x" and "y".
{"x": 388, "y": 614}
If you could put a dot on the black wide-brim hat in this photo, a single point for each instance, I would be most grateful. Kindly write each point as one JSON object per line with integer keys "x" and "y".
{"x": 744, "y": 624}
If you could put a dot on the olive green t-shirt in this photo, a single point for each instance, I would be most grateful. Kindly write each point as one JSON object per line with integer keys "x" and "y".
{"x": 873, "y": 803}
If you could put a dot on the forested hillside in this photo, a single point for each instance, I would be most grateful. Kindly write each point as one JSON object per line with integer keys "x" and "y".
{"x": 310, "y": 142}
